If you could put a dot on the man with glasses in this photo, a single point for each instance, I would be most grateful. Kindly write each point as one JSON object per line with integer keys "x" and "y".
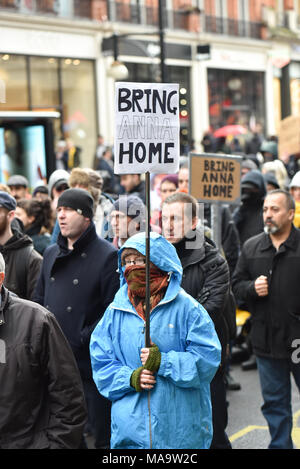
{"x": 127, "y": 217}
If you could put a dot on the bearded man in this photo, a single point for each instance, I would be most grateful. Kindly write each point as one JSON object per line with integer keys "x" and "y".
{"x": 266, "y": 279}
{"x": 23, "y": 263}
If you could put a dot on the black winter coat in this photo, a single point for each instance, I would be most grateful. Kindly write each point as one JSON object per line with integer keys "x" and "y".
{"x": 77, "y": 286}
{"x": 206, "y": 278}
{"x": 276, "y": 317}
{"x": 41, "y": 397}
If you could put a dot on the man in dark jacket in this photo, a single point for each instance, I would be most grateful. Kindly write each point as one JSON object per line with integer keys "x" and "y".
{"x": 205, "y": 278}
{"x": 78, "y": 281}
{"x": 42, "y": 403}
{"x": 22, "y": 261}
{"x": 266, "y": 279}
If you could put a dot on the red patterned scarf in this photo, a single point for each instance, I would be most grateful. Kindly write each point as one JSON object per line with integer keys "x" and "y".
{"x": 135, "y": 276}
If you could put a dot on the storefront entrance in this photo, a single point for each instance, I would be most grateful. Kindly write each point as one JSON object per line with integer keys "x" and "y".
{"x": 27, "y": 145}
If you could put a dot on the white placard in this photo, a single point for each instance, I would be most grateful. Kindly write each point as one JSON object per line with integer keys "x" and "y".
{"x": 146, "y": 128}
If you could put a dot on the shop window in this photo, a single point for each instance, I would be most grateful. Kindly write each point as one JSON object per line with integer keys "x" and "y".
{"x": 13, "y": 75}
{"x": 235, "y": 97}
{"x": 79, "y": 106}
{"x": 82, "y": 8}
{"x": 44, "y": 82}
{"x": 46, "y": 6}
{"x": 9, "y": 4}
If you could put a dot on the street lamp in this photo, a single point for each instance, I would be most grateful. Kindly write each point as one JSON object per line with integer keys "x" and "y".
{"x": 118, "y": 69}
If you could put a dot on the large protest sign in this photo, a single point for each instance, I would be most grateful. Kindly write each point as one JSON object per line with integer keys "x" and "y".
{"x": 146, "y": 128}
{"x": 215, "y": 178}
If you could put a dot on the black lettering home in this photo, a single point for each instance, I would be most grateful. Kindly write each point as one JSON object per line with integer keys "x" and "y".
{"x": 134, "y": 153}
{"x": 220, "y": 191}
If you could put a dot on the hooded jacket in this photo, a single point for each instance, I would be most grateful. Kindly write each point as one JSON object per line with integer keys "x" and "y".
{"x": 22, "y": 264}
{"x": 59, "y": 175}
{"x": 177, "y": 412}
{"x": 248, "y": 217}
{"x": 41, "y": 397}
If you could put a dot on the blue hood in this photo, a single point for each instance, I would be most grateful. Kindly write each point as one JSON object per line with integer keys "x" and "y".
{"x": 162, "y": 254}
{"x": 178, "y": 412}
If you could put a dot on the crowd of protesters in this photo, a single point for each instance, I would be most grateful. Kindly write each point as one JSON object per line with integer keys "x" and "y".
{"x": 72, "y": 279}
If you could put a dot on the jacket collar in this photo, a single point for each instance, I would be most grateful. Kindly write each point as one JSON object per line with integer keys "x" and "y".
{"x": 87, "y": 236}
{"x": 291, "y": 242}
{"x": 190, "y": 256}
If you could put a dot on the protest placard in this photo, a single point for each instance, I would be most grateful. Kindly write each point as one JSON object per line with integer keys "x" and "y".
{"x": 289, "y": 136}
{"x": 215, "y": 178}
{"x": 146, "y": 128}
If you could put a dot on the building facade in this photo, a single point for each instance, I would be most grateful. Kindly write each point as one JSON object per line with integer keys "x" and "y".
{"x": 233, "y": 59}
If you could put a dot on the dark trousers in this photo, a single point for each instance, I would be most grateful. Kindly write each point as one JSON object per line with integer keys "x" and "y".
{"x": 220, "y": 439}
{"x": 275, "y": 381}
{"x": 98, "y": 414}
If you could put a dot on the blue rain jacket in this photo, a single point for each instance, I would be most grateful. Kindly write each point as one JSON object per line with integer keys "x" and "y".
{"x": 176, "y": 413}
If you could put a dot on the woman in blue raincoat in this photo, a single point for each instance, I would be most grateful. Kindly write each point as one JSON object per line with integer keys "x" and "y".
{"x": 160, "y": 395}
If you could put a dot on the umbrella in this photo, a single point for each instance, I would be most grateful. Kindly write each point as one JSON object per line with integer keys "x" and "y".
{"x": 230, "y": 130}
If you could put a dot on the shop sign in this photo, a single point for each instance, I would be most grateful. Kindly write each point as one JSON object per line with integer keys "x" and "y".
{"x": 215, "y": 178}
{"x": 146, "y": 128}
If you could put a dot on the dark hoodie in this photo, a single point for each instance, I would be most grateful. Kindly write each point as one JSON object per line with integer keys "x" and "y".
{"x": 22, "y": 264}
{"x": 249, "y": 216}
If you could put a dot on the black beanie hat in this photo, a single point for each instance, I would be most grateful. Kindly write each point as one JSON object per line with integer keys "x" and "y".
{"x": 79, "y": 200}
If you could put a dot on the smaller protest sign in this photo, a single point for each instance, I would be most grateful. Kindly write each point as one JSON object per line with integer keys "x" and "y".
{"x": 289, "y": 136}
{"x": 146, "y": 128}
{"x": 215, "y": 178}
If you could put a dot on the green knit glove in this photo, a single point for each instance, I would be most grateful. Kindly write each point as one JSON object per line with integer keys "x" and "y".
{"x": 154, "y": 358}
{"x": 135, "y": 379}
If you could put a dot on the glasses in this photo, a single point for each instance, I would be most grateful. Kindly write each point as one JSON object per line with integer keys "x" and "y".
{"x": 137, "y": 261}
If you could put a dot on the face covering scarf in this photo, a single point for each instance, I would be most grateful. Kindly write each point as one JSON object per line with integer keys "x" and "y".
{"x": 135, "y": 276}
